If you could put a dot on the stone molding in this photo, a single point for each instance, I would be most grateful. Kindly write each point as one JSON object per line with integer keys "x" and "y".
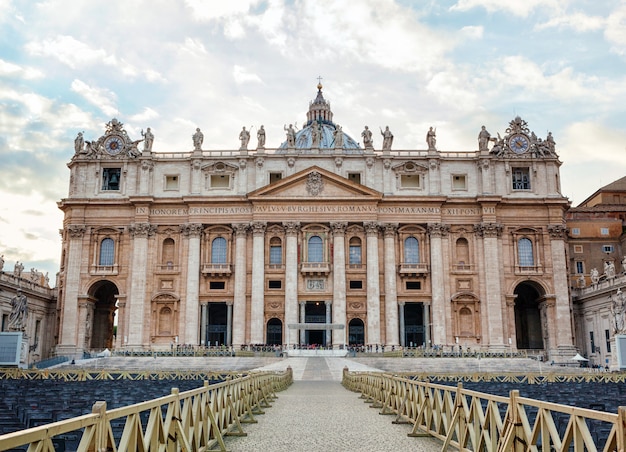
{"x": 339, "y": 227}
{"x": 291, "y": 227}
{"x": 390, "y": 229}
{"x": 258, "y": 228}
{"x": 557, "y": 231}
{"x": 241, "y": 229}
{"x": 371, "y": 227}
{"x": 191, "y": 229}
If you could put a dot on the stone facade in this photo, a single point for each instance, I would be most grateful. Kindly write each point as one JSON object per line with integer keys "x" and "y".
{"x": 397, "y": 247}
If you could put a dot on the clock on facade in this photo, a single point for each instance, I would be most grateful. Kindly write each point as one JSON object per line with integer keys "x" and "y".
{"x": 114, "y": 144}
{"x": 519, "y": 143}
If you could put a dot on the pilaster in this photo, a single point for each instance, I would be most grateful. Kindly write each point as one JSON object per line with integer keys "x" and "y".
{"x": 239, "y": 298}
{"x": 339, "y": 280}
{"x": 391, "y": 294}
{"x": 436, "y": 231}
{"x": 189, "y": 321}
{"x": 373, "y": 288}
{"x": 257, "y": 300}
{"x": 291, "y": 280}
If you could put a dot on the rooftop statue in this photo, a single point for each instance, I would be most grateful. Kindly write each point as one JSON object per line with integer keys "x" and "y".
{"x": 431, "y": 139}
{"x": 260, "y": 135}
{"x": 387, "y": 138}
{"x": 198, "y": 138}
{"x": 244, "y": 137}
{"x": 367, "y": 138}
{"x": 148, "y": 139}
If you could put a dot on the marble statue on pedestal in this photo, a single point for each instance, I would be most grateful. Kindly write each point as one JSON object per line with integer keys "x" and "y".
{"x": 19, "y": 312}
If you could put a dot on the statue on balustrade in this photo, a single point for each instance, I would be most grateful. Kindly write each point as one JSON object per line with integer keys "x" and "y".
{"x": 618, "y": 306}
{"x": 595, "y": 276}
{"x": 19, "y": 312}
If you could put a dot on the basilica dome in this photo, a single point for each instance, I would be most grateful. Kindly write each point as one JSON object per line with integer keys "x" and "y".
{"x": 319, "y": 134}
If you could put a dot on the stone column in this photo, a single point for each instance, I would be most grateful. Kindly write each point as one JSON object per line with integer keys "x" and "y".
{"x": 402, "y": 329}
{"x": 257, "y": 298}
{"x": 339, "y": 280}
{"x": 436, "y": 232}
{"x": 144, "y": 180}
{"x": 483, "y": 167}
{"x": 240, "y": 280}
{"x": 427, "y": 323}
{"x": 391, "y": 294}
{"x": 302, "y": 320}
{"x": 291, "y": 280}
{"x": 328, "y": 320}
{"x": 373, "y": 286}
{"x": 189, "y": 329}
{"x": 138, "y": 271}
{"x": 562, "y": 318}
{"x": 490, "y": 233}
{"x": 68, "y": 339}
{"x": 204, "y": 322}
{"x": 229, "y": 324}
{"x": 196, "y": 176}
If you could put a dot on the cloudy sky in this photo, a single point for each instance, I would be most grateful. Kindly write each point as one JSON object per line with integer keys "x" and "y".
{"x": 69, "y": 66}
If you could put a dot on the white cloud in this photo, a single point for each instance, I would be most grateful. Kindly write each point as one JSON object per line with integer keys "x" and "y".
{"x": 580, "y": 143}
{"x": 71, "y": 52}
{"x": 13, "y": 70}
{"x": 518, "y": 8}
{"x": 145, "y": 115}
{"x": 104, "y": 99}
{"x": 615, "y": 32}
{"x": 204, "y": 11}
{"x": 472, "y": 32}
{"x": 578, "y": 22}
{"x": 241, "y": 75}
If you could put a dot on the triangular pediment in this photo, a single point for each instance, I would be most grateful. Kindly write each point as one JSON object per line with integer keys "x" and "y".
{"x": 314, "y": 183}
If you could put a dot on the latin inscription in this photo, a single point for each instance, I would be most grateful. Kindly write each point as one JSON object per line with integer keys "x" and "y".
{"x": 247, "y": 210}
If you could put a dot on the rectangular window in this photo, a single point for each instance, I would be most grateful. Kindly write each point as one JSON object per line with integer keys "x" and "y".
{"x": 575, "y": 231}
{"x": 217, "y": 285}
{"x": 578, "y": 249}
{"x": 171, "y": 182}
{"x": 580, "y": 267}
{"x": 521, "y": 179}
{"x": 356, "y": 284}
{"x": 275, "y": 177}
{"x": 220, "y": 181}
{"x": 355, "y": 177}
{"x": 604, "y": 231}
{"x": 111, "y": 179}
{"x": 410, "y": 181}
{"x": 607, "y": 248}
{"x": 274, "y": 284}
{"x": 413, "y": 285}
{"x": 593, "y": 344}
{"x": 37, "y": 331}
{"x": 5, "y": 322}
{"x": 607, "y": 336}
{"x": 355, "y": 255}
{"x": 276, "y": 255}
{"x": 459, "y": 182}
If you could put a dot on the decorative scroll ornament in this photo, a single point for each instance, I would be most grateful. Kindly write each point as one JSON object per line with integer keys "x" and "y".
{"x": 115, "y": 143}
{"x": 76, "y": 231}
{"x": 314, "y": 183}
{"x": 339, "y": 227}
{"x": 291, "y": 228}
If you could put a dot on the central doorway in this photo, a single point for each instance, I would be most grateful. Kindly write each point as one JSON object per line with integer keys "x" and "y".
{"x": 217, "y": 324}
{"x": 528, "y": 325}
{"x": 414, "y": 324}
{"x": 315, "y": 312}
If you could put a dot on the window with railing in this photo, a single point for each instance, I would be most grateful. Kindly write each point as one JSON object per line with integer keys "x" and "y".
{"x": 107, "y": 253}
{"x": 276, "y": 251}
{"x": 411, "y": 251}
{"x": 315, "y": 249}
{"x": 355, "y": 257}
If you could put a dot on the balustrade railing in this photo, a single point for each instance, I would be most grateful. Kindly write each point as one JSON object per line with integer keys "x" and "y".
{"x": 472, "y": 421}
{"x": 198, "y": 419}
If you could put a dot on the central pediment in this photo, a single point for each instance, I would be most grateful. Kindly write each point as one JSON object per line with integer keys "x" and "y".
{"x": 314, "y": 184}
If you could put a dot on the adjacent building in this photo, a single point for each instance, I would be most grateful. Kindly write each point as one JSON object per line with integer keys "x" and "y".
{"x": 323, "y": 240}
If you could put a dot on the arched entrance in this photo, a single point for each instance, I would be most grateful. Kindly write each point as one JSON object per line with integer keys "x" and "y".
{"x": 356, "y": 332}
{"x": 528, "y": 324}
{"x": 274, "y": 335}
{"x": 100, "y": 329}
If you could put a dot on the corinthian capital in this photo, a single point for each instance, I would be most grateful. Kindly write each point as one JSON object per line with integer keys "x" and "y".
{"x": 142, "y": 230}
{"x": 338, "y": 227}
{"x": 191, "y": 229}
{"x": 390, "y": 229}
{"x": 241, "y": 229}
{"x": 291, "y": 227}
{"x": 258, "y": 227}
{"x": 488, "y": 229}
{"x": 557, "y": 231}
{"x": 371, "y": 227}
{"x": 76, "y": 231}
{"x": 438, "y": 229}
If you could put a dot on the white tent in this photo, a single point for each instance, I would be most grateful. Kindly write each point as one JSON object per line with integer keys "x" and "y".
{"x": 579, "y": 358}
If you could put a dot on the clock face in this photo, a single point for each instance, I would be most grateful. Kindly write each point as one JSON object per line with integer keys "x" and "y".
{"x": 519, "y": 143}
{"x": 114, "y": 145}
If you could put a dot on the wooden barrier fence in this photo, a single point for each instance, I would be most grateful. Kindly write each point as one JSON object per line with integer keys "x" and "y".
{"x": 474, "y": 421}
{"x": 192, "y": 420}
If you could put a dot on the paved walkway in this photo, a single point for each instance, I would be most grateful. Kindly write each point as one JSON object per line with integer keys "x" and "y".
{"x": 318, "y": 414}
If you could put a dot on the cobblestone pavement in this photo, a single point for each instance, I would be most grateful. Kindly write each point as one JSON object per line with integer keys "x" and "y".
{"x": 318, "y": 414}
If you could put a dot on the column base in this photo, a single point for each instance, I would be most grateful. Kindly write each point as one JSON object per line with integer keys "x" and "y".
{"x": 562, "y": 354}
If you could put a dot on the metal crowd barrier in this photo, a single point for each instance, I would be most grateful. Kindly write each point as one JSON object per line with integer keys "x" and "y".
{"x": 472, "y": 421}
{"x": 198, "y": 419}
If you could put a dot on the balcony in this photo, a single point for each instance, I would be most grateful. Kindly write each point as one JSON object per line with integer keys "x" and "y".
{"x": 216, "y": 269}
{"x": 167, "y": 268}
{"x": 103, "y": 269}
{"x": 315, "y": 268}
{"x": 463, "y": 268}
{"x": 419, "y": 269}
{"x": 528, "y": 269}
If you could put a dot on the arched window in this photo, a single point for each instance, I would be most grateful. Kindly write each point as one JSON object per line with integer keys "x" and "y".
{"x": 411, "y": 251}
{"x": 107, "y": 252}
{"x": 218, "y": 251}
{"x": 525, "y": 252}
{"x": 167, "y": 256}
{"x": 355, "y": 251}
{"x": 276, "y": 251}
{"x": 316, "y": 251}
